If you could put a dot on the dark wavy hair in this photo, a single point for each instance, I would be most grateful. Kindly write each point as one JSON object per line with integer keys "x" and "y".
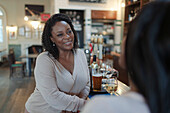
{"x": 46, "y": 41}
{"x": 147, "y": 54}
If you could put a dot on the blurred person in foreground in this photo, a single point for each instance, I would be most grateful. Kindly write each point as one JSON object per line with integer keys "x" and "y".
{"x": 146, "y": 56}
{"x": 61, "y": 72}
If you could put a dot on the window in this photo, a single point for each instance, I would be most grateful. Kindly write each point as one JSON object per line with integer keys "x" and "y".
{"x": 3, "y": 37}
{"x": 1, "y": 31}
{"x": 1, "y": 13}
{"x": 1, "y": 26}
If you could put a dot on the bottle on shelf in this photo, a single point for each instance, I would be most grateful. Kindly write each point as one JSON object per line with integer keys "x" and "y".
{"x": 131, "y": 15}
{"x": 95, "y": 48}
{"x": 94, "y": 66}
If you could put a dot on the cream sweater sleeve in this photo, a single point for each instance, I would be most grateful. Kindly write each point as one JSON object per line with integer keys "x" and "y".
{"x": 85, "y": 92}
{"x": 46, "y": 84}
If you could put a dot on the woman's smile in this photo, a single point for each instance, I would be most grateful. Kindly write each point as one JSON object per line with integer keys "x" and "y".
{"x": 68, "y": 43}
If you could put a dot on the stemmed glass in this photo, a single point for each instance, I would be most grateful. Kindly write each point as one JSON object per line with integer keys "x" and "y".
{"x": 111, "y": 85}
{"x": 111, "y": 76}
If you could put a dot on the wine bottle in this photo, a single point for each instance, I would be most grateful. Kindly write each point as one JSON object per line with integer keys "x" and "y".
{"x": 94, "y": 65}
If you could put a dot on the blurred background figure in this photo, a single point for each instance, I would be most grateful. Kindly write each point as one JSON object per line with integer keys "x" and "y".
{"x": 145, "y": 54}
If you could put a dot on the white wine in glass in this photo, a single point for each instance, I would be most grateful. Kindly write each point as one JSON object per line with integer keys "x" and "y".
{"x": 111, "y": 85}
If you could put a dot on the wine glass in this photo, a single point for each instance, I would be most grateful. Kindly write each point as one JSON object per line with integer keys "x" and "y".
{"x": 111, "y": 85}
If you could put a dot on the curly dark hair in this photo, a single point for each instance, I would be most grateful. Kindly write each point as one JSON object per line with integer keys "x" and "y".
{"x": 46, "y": 41}
{"x": 147, "y": 54}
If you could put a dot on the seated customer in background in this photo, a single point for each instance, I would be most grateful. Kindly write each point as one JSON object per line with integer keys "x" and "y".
{"x": 61, "y": 72}
{"x": 146, "y": 55}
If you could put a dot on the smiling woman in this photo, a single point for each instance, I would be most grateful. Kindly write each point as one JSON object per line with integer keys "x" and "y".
{"x": 62, "y": 36}
{"x": 61, "y": 72}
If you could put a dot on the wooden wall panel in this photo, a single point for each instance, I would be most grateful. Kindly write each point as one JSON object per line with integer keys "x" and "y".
{"x": 96, "y": 14}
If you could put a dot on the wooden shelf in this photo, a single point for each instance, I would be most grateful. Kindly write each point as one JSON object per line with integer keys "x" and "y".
{"x": 133, "y": 4}
{"x": 106, "y": 45}
{"x": 101, "y": 14}
{"x": 127, "y": 22}
{"x": 145, "y": 4}
{"x": 131, "y": 10}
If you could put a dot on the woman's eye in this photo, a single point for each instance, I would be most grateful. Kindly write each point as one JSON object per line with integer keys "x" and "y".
{"x": 69, "y": 31}
{"x": 59, "y": 35}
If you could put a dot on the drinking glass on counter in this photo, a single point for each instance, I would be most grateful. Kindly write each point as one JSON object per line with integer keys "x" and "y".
{"x": 110, "y": 75}
{"x": 111, "y": 85}
{"x": 108, "y": 71}
{"x": 97, "y": 81}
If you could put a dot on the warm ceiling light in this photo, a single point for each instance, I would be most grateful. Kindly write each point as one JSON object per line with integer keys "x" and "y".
{"x": 123, "y": 4}
{"x": 26, "y": 18}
